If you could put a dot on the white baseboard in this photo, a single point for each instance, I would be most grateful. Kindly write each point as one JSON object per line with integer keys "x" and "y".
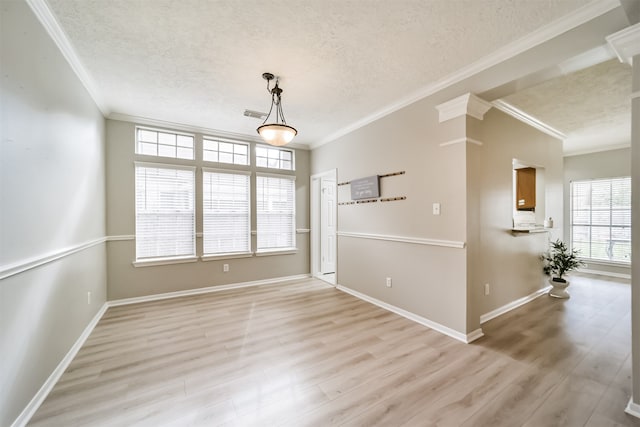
{"x": 197, "y": 291}
{"x": 46, "y": 388}
{"x": 632, "y": 408}
{"x": 512, "y": 305}
{"x": 465, "y": 338}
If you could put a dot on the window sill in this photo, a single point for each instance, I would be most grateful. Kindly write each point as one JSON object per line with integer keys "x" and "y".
{"x": 230, "y": 255}
{"x": 606, "y": 263}
{"x": 283, "y": 251}
{"x": 164, "y": 261}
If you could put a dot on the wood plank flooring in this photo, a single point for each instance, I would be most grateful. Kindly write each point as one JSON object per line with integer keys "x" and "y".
{"x": 304, "y": 354}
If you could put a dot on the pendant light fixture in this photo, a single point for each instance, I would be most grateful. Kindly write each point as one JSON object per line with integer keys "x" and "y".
{"x": 276, "y": 133}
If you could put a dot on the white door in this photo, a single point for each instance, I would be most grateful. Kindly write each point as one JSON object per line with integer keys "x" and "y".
{"x": 327, "y": 226}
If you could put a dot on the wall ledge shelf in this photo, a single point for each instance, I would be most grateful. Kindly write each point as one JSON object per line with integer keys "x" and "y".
{"x": 525, "y": 231}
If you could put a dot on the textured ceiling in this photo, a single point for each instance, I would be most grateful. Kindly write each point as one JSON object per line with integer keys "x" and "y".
{"x": 591, "y": 106}
{"x": 199, "y": 62}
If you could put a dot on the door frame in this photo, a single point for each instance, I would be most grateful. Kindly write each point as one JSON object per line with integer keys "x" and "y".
{"x": 315, "y": 212}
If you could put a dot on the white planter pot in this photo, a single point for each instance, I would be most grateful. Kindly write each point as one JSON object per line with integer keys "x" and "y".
{"x": 559, "y": 289}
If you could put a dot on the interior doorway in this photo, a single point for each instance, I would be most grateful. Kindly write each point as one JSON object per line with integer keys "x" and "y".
{"x": 324, "y": 215}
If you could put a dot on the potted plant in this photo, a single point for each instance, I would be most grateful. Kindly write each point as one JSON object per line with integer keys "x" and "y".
{"x": 558, "y": 261}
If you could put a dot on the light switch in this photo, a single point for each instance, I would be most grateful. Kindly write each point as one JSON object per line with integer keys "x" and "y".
{"x": 436, "y": 208}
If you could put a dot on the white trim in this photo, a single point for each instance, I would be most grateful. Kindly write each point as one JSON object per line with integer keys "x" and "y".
{"x": 164, "y": 261}
{"x": 512, "y": 305}
{"x": 276, "y": 175}
{"x": 42, "y": 11}
{"x": 461, "y": 141}
{"x": 227, "y": 171}
{"x": 404, "y": 239}
{"x": 518, "y": 114}
{"x": 465, "y": 338}
{"x": 632, "y": 408}
{"x": 121, "y": 237}
{"x": 206, "y": 132}
{"x": 626, "y": 43}
{"x": 270, "y": 252}
{"x": 51, "y": 381}
{"x": 605, "y": 273}
{"x": 467, "y": 104}
{"x": 543, "y": 34}
{"x": 164, "y": 166}
{"x": 209, "y": 289}
{"x": 213, "y": 257}
{"x": 596, "y": 150}
{"x": 37, "y": 261}
{"x": 303, "y": 230}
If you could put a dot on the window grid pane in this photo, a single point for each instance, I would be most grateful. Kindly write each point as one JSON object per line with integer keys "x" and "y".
{"x": 601, "y": 219}
{"x": 275, "y": 210}
{"x": 274, "y": 158}
{"x": 165, "y": 215}
{"x": 164, "y": 144}
{"x": 234, "y": 153}
{"x": 226, "y": 215}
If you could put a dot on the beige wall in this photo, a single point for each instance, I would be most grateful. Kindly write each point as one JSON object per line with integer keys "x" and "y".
{"x": 427, "y": 280}
{"x": 509, "y": 263}
{"x": 52, "y": 194}
{"x": 605, "y": 164}
{"x": 635, "y": 231}
{"x": 472, "y": 183}
{"x": 126, "y": 281}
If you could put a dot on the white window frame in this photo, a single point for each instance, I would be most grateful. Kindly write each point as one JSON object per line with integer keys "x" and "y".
{"x": 165, "y": 259}
{"x": 280, "y": 160}
{"x": 590, "y": 225}
{"x": 260, "y": 251}
{"x": 226, "y": 255}
{"x": 138, "y": 143}
{"x": 233, "y": 153}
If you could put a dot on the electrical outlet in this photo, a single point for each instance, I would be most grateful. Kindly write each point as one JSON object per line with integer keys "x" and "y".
{"x": 436, "y": 208}
{"x": 388, "y": 282}
{"x": 89, "y": 298}
{"x": 487, "y": 289}
{"x": 225, "y": 268}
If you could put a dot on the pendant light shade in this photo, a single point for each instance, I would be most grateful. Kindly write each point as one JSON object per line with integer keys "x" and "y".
{"x": 276, "y": 133}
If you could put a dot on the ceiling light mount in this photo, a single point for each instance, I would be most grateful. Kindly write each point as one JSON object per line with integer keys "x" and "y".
{"x": 278, "y": 132}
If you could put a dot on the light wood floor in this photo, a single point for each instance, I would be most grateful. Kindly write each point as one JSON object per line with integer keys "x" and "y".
{"x": 305, "y": 354}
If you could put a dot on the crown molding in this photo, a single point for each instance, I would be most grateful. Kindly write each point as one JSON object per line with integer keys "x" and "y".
{"x": 195, "y": 129}
{"x": 516, "y": 113}
{"x": 626, "y": 43}
{"x": 48, "y": 20}
{"x": 596, "y": 150}
{"x": 467, "y": 104}
{"x": 543, "y": 34}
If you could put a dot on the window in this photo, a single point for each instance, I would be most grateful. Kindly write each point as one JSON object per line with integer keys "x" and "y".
{"x": 601, "y": 219}
{"x": 234, "y": 153}
{"x": 274, "y": 158}
{"x": 226, "y": 220}
{"x": 165, "y": 216}
{"x": 164, "y": 144}
{"x": 276, "y": 214}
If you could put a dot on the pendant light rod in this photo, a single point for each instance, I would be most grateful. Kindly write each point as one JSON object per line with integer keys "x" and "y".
{"x": 278, "y": 132}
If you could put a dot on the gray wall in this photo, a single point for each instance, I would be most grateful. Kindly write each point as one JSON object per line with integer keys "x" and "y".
{"x": 52, "y": 193}
{"x": 605, "y": 164}
{"x": 126, "y": 281}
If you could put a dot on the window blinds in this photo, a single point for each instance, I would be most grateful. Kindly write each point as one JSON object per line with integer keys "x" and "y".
{"x": 601, "y": 219}
{"x": 275, "y": 210}
{"x": 226, "y": 218}
{"x": 165, "y": 215}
